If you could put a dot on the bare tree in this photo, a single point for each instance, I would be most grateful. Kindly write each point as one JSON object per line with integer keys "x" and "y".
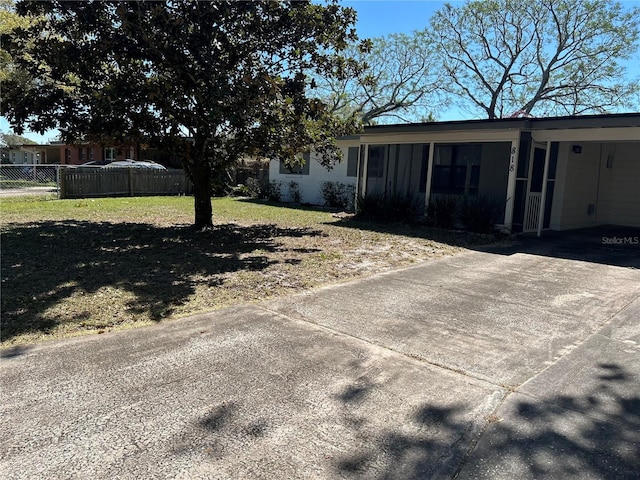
{"x": 392, "y": 78}
{"x": 545, "y": 57}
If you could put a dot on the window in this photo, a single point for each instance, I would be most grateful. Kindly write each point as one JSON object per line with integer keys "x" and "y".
{"x": 131, "y": 152}
{"x": 67, "y": 155}
{"x": 110, "y": 154}
{"x": 352, "y": 162}
{"x": 298, "y": 169}
{"x": 81, "y": 153}
{"x": 456, "y": 169}
{"x": 90, "y": 153}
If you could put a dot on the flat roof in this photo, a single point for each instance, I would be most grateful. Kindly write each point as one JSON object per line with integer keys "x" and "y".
{"x": 530, "y": 123}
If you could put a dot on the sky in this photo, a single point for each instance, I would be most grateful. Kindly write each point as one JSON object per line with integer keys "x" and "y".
{"x": 382, "y": 17}
{"x": 375, "y": 18}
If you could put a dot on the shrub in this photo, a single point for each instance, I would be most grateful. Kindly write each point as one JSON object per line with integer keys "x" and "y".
{"x": 334, "y": 194}
{"x": 442, "y": 211}
{"x": 294, "y": 192}
{"x": 271, "y": 191}
{"x": 240, "y": 191}
{"x": 350, "y": 198}
{"x": 253, "y": 187}
{"x": 481, "y": 213}
{"x": 395, "y": 208}
{"x": 369, "y": 206}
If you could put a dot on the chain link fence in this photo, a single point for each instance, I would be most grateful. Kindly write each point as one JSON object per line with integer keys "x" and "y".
{"x": 25, "y": 176}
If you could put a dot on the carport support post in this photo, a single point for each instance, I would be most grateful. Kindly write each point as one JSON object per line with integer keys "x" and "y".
{"x": 511, "y": 184}
{"x": 547, "y": 155}
{"x": 427, "y": 196}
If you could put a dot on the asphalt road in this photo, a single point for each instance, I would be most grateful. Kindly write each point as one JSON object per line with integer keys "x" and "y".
{"x": 521, "y": 363}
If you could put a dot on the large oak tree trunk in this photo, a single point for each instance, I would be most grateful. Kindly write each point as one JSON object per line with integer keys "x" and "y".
{"x": 202, "y": 195}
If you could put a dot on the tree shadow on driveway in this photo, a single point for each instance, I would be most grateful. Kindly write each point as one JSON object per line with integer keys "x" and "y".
{"x": 594, "y": 434}
{"x": 157, "y": 268}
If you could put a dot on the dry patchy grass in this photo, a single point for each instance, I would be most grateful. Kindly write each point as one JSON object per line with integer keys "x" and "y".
{"x": 72, "y": 267}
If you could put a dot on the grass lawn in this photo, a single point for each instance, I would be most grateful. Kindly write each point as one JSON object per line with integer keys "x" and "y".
{"x": 73, "y": 267}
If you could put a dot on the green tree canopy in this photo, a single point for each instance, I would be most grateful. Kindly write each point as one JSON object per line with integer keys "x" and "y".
{"x": 543, "y": 57}
{"x": 214, "y": 80}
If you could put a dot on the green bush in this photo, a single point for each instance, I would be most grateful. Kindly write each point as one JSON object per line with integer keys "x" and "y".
{"x": 334, "y": 194}
{"x": 294, "y": 192}
{"x": 442, "y": 211}
{"x": 404, "y": 208}
{"x": 272, "y": 191}
{"x": 369, "y": 206}
{"x": 253, "y": 188}
{"x": 481, "y": 213}
{"x": 240, "y": 191}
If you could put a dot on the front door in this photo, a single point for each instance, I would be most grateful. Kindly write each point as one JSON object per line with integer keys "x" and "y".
{"x": 534, "y": 192}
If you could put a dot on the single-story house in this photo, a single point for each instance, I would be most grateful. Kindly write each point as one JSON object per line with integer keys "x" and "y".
{"x": 21, "y": 154}
{"x": 549, "y": 173}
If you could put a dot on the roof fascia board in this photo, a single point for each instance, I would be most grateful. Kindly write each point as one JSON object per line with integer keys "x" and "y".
{"x": 587, "y": 122}
{"x": 451, "y": 136}
{"x": 609, "y": 134}
{"x": 563, "y": 123}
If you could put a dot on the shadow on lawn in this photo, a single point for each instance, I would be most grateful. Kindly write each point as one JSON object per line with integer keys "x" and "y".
{"x": 45, "y": 263}
{"x": 591, "y": 435}
{"x": 593, "y": 244}
{"x": 450, "y": 237}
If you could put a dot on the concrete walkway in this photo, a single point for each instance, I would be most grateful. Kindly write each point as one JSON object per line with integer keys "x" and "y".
{"x": 483, "y": 365}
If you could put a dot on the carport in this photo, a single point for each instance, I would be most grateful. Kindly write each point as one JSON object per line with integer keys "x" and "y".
{"x": 577, "y": 172}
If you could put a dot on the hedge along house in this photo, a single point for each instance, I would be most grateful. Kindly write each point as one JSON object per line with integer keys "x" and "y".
{"x": 310, "y": 177}
{"x": 546, "y": 173}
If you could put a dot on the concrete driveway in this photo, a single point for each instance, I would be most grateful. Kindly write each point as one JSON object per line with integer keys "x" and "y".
{"x": 520, "y": 363}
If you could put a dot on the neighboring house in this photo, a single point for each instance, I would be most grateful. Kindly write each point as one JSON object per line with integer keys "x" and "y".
{"x": 21, "y": 154}
{"x": 548, "y": 173}
{"x": 86, "y": 152}
{"x": 59, "y": 152}
{"x": 310, "y": 177}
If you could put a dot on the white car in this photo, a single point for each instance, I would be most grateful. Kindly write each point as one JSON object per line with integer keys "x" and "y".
{"x": 128, "y": 163}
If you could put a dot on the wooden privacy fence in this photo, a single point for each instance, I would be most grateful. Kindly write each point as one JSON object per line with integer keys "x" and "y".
{"x": 121, "y": 182}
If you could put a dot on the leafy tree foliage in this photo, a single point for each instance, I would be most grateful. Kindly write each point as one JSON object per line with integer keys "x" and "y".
{"x": 9, "y": 22}
{"x": 214, "y": 80}
{"x": 547, "y": 56}
{"x": 391, "y": 78}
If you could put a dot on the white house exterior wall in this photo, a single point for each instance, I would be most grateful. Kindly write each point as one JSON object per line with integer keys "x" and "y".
{"x": 619, "y": 193}
{"x": 580, "y": 188}
{"x": 584, "y": 179}
{"x": 310, "y": 185}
